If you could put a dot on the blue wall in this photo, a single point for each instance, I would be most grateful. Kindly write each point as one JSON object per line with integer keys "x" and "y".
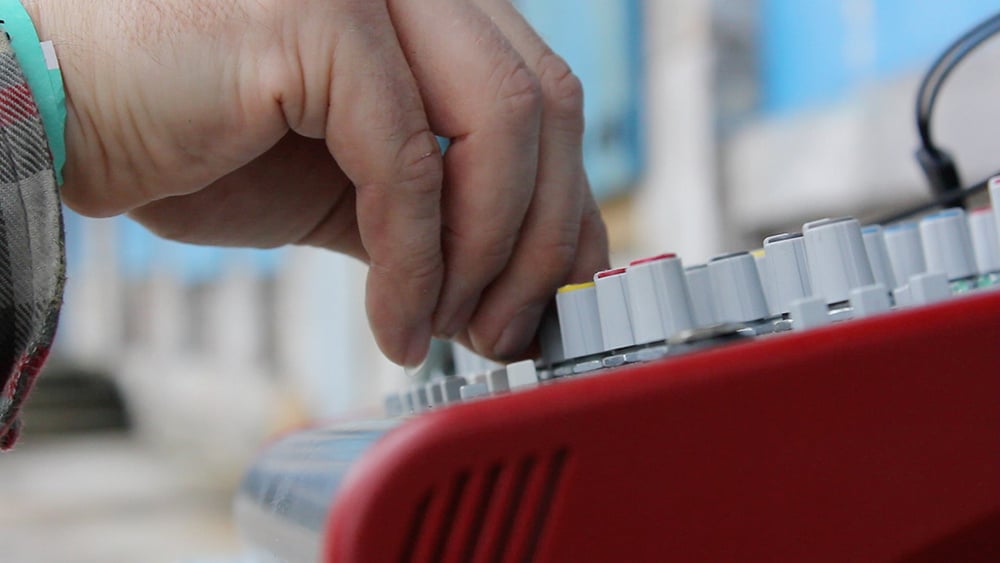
{"x": 602, "y": 41}
{"x": 816, "y": 51}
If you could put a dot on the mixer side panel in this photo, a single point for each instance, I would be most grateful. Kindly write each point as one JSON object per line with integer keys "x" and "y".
{"x": 872, "y": 440}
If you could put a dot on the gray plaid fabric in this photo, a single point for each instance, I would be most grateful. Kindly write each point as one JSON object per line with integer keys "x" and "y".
{"x": 32, "y": 262}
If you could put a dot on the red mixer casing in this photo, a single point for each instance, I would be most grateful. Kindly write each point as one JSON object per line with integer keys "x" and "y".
{"x": 872, "y": 440}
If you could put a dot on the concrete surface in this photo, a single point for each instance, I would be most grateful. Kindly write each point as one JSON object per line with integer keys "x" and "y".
{"x": 110, "y": 499}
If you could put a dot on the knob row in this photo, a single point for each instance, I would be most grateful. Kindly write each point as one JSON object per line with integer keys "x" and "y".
{"x": 835, "y": 262}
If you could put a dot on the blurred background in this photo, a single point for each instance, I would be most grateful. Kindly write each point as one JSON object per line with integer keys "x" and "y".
{"x": 711, "y": 123}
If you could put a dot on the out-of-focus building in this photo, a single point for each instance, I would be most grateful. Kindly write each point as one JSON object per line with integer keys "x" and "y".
{"x": 710, "y": 124}
{"x": 765, "y": 113}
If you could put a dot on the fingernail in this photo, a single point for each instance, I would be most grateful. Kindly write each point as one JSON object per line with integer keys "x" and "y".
{"x": 420, "y": 342}
{"x": 457, "y": 321}
{"x": 519, "y": 333}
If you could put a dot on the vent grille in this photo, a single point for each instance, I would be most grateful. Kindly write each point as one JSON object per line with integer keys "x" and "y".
{"x": 492, "y": 514}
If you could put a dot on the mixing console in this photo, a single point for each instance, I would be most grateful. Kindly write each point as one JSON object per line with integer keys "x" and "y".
{"x": 834, "y": 396}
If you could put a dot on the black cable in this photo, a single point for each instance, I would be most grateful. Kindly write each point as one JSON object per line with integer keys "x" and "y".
{"x": 931, "y": 84}
{"x": 942, "y": 200}
{"x": 938, "y": 166}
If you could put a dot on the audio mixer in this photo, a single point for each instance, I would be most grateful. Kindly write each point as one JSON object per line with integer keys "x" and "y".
{"x": 834, "y": 396}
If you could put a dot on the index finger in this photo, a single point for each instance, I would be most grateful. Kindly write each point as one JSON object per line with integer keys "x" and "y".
{"x": 480, "y": 93}
{"x": 378, "y": 132}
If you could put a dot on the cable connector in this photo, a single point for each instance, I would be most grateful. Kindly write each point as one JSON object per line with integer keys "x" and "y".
{"x": 940, "y": 170}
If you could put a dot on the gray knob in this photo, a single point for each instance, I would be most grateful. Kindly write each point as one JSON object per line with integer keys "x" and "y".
{"x": 906, "y": 252}
{"x": 995, "y": 199}
{"x": 786, "y": 259}
{"x": 947, "y": 244}
{"x": 659, "y": 299}
{"x": 838, "y": 261}
{"x": 739, "y": 294}
{"x": 612, "y": 304}
{"x": 579, "y": 320}
{"x": 878, "y": 255}
{"x": 702, "y": 297}
{"x": 985, "y": 241}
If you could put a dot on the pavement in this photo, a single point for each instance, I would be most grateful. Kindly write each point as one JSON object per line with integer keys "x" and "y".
{"x": 109, "y": 499}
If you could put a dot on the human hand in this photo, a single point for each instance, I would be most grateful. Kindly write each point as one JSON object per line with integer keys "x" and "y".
{"x": 271, "y": 122}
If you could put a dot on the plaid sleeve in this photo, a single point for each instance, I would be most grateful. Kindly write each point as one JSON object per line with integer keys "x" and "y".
{"x": 32, "y": 260}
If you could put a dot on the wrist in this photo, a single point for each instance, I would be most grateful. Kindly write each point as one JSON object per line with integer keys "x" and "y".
{"x": 41, "y": 70}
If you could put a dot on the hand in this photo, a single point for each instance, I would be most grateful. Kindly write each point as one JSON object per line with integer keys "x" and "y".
{"x": 271, "y": 122}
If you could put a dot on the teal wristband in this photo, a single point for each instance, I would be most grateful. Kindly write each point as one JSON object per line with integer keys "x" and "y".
{"x": 41, "y": 69}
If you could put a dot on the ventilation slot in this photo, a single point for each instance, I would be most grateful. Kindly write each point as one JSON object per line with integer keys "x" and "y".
{"x": 494, "y": 514}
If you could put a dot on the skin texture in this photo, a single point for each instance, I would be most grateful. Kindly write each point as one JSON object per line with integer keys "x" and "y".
{"x": 270, "y": 122}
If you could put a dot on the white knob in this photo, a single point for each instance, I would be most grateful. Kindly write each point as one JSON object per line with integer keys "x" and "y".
{"x": 929, "y": 288}
{"x": 985, "y": 240}
{"x": 809, "y": 312}
{"x": 995, "y": 199}
{"x": 901, "y": 295}
{"x": 612, "y": 305}
{"x": 659, "y": 299}
{"x": 837, "y": 258}
{"x": 786, "y": 259}
{"x": 906, "y": 252}
{"x": 468, "y": 362}
{"x": 871, "y": 300}
{"x": 579, "y": 320}
{"x": 878, "y": 255}
{"x": 702, "y": 297}
{"x": 947, "y": 244}
{"x": 739, "y": 294}
{"x": 522, "y": 374}
{"x": 760, "y": 257}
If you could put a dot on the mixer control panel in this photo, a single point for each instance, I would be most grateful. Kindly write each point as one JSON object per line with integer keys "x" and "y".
{"x": 834, "y": 271}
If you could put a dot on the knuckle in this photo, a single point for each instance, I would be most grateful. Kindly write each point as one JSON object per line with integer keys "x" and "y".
{"x": 98, "y": 200}
{"x": 87, "y": 206}
{"x": 418, "y": 162}
{"x": 497, "y": 248}
{"x": 177, "y": 229}
{"x": 562, "y": 88}
{"x": 487, "y": 251}
{"x": 520, "y": 91}
{"x": 554, "y": 259}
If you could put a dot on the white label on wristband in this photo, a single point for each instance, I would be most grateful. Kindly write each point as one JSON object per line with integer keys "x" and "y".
{"x": 49, "y": 52}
